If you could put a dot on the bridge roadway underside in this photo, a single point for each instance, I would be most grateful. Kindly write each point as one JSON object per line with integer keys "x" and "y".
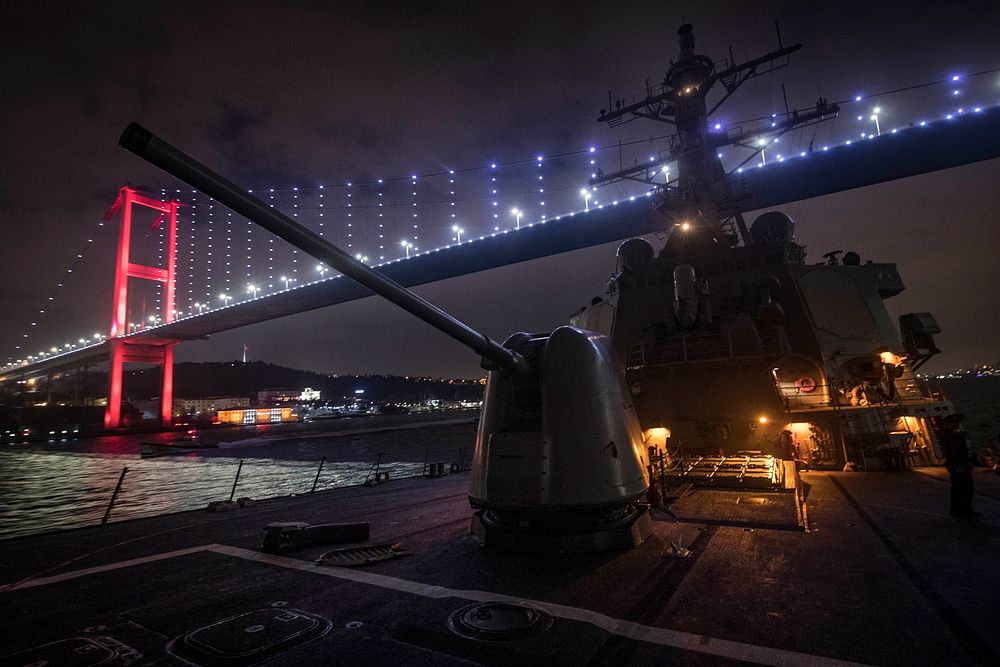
{"x": 973, "y": 137}
{"x": 572, "y": 232}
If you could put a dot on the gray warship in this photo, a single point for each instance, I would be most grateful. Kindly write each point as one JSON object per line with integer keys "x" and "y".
{"x": 732, "y": 341}
{"x": 568, "y": 557}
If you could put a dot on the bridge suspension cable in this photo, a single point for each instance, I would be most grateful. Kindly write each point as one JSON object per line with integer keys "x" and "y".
{"x": 220, "y": 258}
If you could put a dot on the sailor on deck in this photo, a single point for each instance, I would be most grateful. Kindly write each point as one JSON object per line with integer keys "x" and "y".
{"x": 954, "y": 444}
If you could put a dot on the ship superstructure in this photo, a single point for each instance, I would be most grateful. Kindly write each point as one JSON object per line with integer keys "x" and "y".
{"x": 732, "y": 341}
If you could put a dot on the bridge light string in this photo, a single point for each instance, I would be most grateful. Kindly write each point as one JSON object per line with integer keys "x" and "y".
{"x": 781, "y": 157}
{"x": 192, "y": 252}
{"x": 322, "y": 204}
{"x": 269, "y": 247}
{"x": 379, "y": 192}
{"x": 270, "y": 261}
{"x": 865, "y": 98}
{"x": 295, "y": 252}
{"x": 868, "y": 136}
{"x": 975, "y": 109}
{"x": 370, "y": 225}
{"x": 228, "y": 280}
{"x": 193, "y": 244}
{"x": 158, "y": 291}
{"x": 209, "y": 249}
{"x": 56, "y": 351}
{"x": 863, "y": 106}
{"x": 494, "y": 197}
{"x": 824, "y": 148}
{"x": 349, "y": 220}
{"x": 248, "y": 254}
{"x": 415, "y": 236}
{"x": 19, "y": 354}
{"x": 454, "y": 229}
{"x": 490, "y": 166}
{"x": 163, "y": 198}
{"x": 569, "y": 154}
{"x": 541, "y": 186}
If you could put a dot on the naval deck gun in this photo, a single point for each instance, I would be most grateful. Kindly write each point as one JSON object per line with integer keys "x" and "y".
{"x": 560, "y": 462}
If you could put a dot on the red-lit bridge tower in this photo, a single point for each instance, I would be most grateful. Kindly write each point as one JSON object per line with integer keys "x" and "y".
{"x": 147, "y": 351}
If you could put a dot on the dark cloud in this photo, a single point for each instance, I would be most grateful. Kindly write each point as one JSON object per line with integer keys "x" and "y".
{"x": 232, "y": 125}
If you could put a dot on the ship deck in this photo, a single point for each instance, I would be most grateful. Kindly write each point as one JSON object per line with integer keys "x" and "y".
{"x": 882, "y": 576}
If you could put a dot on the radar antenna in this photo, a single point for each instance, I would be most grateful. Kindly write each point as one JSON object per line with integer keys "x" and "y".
{"x": 700, "y": 192}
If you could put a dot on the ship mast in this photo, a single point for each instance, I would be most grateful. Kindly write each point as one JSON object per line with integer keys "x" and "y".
{"x": 701, "y": 197}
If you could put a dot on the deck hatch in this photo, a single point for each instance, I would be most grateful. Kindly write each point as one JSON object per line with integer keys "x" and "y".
{"x": 499, "y": 621}
{"x": 250, "y": 637}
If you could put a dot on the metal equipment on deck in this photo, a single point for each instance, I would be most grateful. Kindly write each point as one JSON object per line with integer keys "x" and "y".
{"x": 744, "y": 470}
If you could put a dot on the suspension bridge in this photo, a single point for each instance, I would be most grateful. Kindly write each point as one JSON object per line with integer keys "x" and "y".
{"x": 187, "y": 268}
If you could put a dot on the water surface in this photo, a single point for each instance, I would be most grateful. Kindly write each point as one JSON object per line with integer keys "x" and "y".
{"x": 68, "y": 484}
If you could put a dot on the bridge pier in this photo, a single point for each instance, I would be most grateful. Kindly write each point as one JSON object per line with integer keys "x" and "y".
{"x": 167, "y": 386}
{"x": 113, "y": 413}
{"x": 122, "y": 352}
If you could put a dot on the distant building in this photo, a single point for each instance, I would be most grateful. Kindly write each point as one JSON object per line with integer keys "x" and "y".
{"x": 278, "y": 395}
{"x": 309, "y": 394}
{"x": 257, "y": 416}
{"x": 189, "y": 406}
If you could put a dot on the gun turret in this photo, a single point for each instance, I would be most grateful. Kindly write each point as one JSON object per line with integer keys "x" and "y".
{"x": 559, "y": 462}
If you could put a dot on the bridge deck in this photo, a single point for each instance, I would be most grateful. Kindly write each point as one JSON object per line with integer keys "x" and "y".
{"x": 973, "y": 137}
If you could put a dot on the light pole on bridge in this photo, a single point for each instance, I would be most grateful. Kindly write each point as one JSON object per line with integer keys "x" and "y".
{"x": 763, "y": 144}
{"x": 517, "y": 213}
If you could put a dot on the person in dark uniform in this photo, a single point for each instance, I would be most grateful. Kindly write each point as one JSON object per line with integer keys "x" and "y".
{"x": 954, "y": 444}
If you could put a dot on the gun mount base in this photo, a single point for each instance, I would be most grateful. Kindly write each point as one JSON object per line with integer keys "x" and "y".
{"x": 625, "y": 528}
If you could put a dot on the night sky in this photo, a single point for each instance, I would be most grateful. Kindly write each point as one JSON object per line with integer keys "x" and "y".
{"x": 285, "y": 93}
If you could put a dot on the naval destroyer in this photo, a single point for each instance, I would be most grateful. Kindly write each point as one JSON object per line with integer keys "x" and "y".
{"x": 734, "y": 343}
{"x": 730, "y": 340}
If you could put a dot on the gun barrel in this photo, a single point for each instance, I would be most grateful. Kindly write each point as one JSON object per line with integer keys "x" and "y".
{"x": 158, "y": 152}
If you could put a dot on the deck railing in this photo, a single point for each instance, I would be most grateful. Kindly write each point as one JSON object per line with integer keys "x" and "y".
{"x": 710, "y": 347}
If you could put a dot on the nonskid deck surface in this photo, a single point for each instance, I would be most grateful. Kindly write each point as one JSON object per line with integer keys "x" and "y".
{"x": 883, "y": 577}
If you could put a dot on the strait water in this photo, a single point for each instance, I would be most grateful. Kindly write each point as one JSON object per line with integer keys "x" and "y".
{"x": 67, "y": 484}
{"x": 979, "y": 400}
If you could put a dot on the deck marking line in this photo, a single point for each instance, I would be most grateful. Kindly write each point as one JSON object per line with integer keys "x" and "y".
{"x": 66, "y": 576}
{"x": 971, "y": 641}
{"x": 628, "y": 629}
